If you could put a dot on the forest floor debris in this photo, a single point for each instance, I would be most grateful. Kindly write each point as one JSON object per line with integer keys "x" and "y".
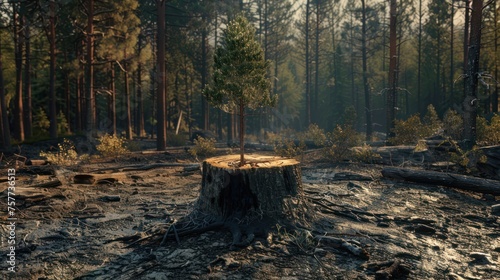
{"x": 371, "y": 227}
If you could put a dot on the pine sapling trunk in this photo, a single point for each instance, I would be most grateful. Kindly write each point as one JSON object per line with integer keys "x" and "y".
{"x": 242, "y": 134}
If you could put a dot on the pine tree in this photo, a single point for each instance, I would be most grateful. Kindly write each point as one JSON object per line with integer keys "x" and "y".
{"x": 240, "y": 74}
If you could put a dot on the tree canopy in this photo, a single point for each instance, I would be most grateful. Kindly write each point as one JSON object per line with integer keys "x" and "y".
{"x": 240, "y": 71}
{"x": 240, "y": 78}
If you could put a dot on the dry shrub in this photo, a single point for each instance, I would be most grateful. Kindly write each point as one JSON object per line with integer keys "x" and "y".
{"x": 488, "y": 133}
{"x": 203, "y": 147}
{"x": 289, "y": 148}
{"x": 453, "y": 124}
{"x": 41, "y": 124}
{"x": 176, "y": 140}
{"x": 287, "y": 143}
{"x": 315, "y": 134}
{"x": 339, "y": 143}
{"x": 365, "y": 154}
{"x": 432, "y": 121}
{"x": 112, "y": 146}
{"x": 409, "y": 131}
{"x": 62, "y": 124}
{"x": 251, "y": 138}
{"x": 467, "y": 159}
{"x": 66, "y": 154}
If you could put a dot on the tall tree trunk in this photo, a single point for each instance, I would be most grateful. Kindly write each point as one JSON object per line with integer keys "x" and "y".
{"x": 18, "y": 100}
{"x": 129, "y": 132}
{"x": 161, "y": 91}
{"x": 4, "y": 124}
{"x": 52, "y": 72}
{"x": 419, "y": 70}
{"x": 335, "y": 97}
{"x": 113, "y": 100}
{"x": 452, "y": 58}
{"x": 466, "y": 41}
{"x": 437, "y": 87}
{"x": 494, "y": 103}
{"x": 354, "y": 93}
{"x": 78, "y": 105}
{"x": 152, "y": 73}
{"x": 229, "y": 125}
{"x": 398, "y": 100}
{"x": 264, "y": 115}
{"x": 67, "y": 97}
{"x": 471, "y": 103}
{"x": 78, "y": 90}
{"x": 308, "y": 74}
{"x": 316, "y": 66}
{"x": 219, "y": 111}
{"x": 393, "y": 71}
{"x": 90, "y": 95}
{"x": 140, "y": 103}
{"x": 204, "y": 63}
{"x": 28, "y": 116}
{"x": 364, "y": 54}
{"x": 3, "y": 145}
{"x": 188, "y": 92}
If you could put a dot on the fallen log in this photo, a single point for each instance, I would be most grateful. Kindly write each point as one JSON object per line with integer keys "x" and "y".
{"x": 36, "y": 162}
{"x": 395, "y": 155}
{"x": 146, "y": 167}
{"x": 51, "y": 184}
{"x": 444, "y": 179}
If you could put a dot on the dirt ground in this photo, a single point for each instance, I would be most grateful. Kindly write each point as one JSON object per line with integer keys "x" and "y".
{"x": 367, "y": 224}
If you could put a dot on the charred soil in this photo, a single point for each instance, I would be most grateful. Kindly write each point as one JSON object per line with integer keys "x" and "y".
{"x": 367, "y": 226}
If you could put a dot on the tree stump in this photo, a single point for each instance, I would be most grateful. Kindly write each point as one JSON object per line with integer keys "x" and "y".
{"x": 266, "y": 187}
{"x": 248, "y": 200}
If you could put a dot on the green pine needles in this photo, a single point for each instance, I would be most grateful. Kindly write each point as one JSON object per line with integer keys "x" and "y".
{"x": 240, "y": 78}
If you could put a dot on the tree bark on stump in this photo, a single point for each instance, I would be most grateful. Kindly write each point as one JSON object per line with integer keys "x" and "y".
{"x": 247, "y": 200}
{"x": 266, "y": 187}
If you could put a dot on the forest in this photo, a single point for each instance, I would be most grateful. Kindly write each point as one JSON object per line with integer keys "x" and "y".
{"x": 249, "y": 139}
{"x": 71, "y": 67}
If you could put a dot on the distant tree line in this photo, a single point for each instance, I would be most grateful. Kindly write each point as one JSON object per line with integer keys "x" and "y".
{"x": 136, "y": 67}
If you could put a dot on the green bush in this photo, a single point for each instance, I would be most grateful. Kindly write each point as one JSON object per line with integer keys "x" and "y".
{"x": 453, "y": 124}
{"x": 432, "y": 121}
{"x": 66, "y": 154}
{"x": 289, "y": 148}
{"x": 176, "y": 140}
{"x": 62, "y": 124}
{"x": 315, "y": 134}
{"x": 466, "y": 159}
{"x": 488, "y": 133}
{"x": 41, "y": 123}
{"x": 203, "y": 147}
{"x": 339, "y": 143}
{"x": 112, "y": 146}
{"x": 365, "y": 154}
{"x": 408, "y": 131}
{"x": 349, "y": 116}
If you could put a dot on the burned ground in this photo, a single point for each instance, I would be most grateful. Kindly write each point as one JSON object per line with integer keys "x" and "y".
{"x": 368, "y": 225}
